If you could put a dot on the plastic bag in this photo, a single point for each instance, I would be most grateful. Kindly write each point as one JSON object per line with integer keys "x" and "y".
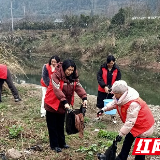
{"x": 110, "y": 153}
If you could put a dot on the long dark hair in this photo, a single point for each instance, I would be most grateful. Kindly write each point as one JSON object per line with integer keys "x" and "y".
{"x": 54, "y": 57}
{"x": 110, "y": 58}
{"x": 70, "y": 63}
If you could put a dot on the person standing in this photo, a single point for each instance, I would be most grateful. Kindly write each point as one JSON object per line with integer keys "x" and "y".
{"x": 5, "y": 76}
{"x": 47, "y": 71}
{"x": 59, "y": 96}
{"x": 135, "y": 114}
{"x": 109, "y": 73}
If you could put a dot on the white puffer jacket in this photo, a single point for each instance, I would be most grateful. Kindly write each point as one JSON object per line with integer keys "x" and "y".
{"x": 132, "y": 111}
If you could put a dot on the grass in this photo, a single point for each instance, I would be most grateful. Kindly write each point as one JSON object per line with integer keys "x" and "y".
{"x": 3, "y": 107}
{"x": 100, "y": 125}
{"x": 22, "y": 127}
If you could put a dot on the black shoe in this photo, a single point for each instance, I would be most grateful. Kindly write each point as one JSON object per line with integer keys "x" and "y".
{"x": 36, "y": 148}
{"x": 101, "y": 156}
{"x": 17, "y": 99}
{"x": 57, "y": 149}
{"x": 65, "y": 146}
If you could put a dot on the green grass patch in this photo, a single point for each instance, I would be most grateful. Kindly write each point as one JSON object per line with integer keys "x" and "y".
{"x": 100, "y": 125}
{"x": 14, "y": 131}
{"x": 107, "y": 134}
{"x": 3, "y": 106}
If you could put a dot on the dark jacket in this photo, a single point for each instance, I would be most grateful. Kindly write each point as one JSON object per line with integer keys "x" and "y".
{"x": 46, "y": 75}
{"x": 109, "y": 75}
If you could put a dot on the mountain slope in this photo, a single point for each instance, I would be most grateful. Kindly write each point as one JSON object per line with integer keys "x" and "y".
{"x": 58, "y": 8}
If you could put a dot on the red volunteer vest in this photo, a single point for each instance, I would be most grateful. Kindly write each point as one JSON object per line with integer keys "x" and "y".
{"x": 51, "y": 99}
{"x": 104, "y": 76}
{"x": 3, "y": 71}
{"x": 49, "y": 69}
{"x": 145, "y": 119}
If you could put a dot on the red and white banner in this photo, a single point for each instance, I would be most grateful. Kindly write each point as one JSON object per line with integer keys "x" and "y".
{"x": 146, "y": 146}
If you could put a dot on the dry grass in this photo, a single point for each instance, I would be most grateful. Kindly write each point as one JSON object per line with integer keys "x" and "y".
{"x": 12, "y": 62}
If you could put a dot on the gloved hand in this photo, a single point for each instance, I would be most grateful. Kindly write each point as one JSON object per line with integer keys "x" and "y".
{"x": 110, "y": 90}
{"x": 83, "y": 110}
{"x": 118, "y": 138}
{"x": 99, "y": 113}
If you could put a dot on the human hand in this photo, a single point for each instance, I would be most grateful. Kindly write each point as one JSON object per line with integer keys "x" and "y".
{"x": 67, "y": 106}
{"x": 118, "y": 138}
{"x": 85, "y": 103}
{"x": 99, "y": 113}
{"x": 106, "y": 89}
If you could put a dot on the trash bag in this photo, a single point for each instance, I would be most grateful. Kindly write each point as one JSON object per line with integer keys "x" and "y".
{"x": 70, "y": 120}
{"x": 70, "y": 123}
{"x": 110, "y": 153}
{"x": 81, "y": 110}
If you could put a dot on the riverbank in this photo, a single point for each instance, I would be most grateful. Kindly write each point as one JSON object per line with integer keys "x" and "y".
{"x": 34, "y": 131}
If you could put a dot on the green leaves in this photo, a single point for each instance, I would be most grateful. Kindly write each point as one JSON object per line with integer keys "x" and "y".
{"x": 89, "y": 150}
{"x": 119, "y": 18}
{"x": 107, "y": 134}
{"x": 14, "y": 131}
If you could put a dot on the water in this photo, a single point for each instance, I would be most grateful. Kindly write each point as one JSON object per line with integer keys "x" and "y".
{"x": 144, "y": 81}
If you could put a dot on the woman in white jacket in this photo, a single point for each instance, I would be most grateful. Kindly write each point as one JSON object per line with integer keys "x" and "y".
{"x": 134, "y": 113}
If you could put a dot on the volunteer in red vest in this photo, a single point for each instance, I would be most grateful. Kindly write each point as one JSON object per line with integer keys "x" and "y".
{"x": 5, "y": 76}
{"x": 109, "y": 73}
{"x": 59, "y": 96}
{"x": 135, "y": 114}
{"x": 47, "y": 71}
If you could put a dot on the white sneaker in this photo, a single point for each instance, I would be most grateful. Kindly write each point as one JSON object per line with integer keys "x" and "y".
{"x": 114, "y": 121}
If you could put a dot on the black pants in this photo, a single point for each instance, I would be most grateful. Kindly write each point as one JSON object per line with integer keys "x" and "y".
{"x": 101, "y": 96}
{"x": 55, "y": 124}
{"x": 129, "y": 139}
{"x": 10, "y": 85}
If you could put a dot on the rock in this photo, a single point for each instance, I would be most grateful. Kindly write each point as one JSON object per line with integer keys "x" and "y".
{"x": 13, "y": 153}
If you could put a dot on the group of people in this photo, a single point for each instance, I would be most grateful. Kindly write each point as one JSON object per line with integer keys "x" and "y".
{"x": 60, "y": 81}
{"x": 133, "y": 111}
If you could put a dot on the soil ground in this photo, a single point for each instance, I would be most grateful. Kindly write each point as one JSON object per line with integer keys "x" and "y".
{"x": 26, "y": 114}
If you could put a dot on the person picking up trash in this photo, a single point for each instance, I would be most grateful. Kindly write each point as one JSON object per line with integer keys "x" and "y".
{"x": 59, "y": 96}
{"x": 108, "y": 73}
{"x": 135, "y": 114}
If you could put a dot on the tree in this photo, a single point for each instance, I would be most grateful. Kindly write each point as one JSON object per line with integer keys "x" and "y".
{"x": 119, "y": 18}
